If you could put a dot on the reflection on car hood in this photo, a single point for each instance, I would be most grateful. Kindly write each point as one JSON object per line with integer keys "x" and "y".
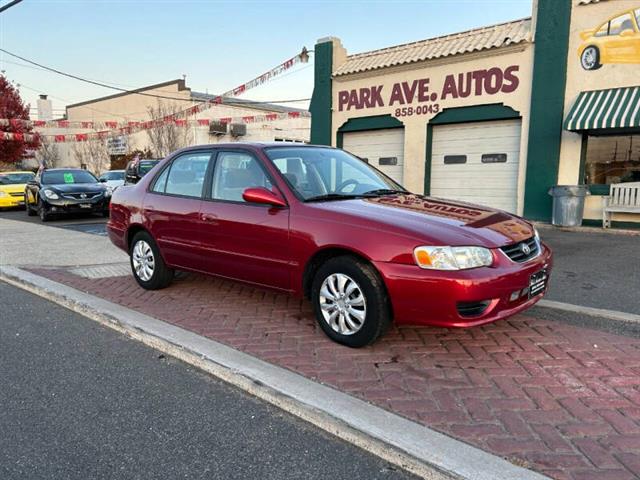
{"x": 77, "y": 187}
{"x": 436, "y": 220}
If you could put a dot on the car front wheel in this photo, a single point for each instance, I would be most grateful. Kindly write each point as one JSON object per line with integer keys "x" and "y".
{"x": 590, "y": 58}
{"x": 350, "y": 301}
{"x": 42, "y": 211}
{"x": 147, "y": 264}
{"x": 30, "y": 211}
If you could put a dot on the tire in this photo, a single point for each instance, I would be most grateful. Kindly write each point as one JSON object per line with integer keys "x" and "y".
{"x": 42, "y": 211}
{"x": 590, "y": 58}
{"x": 30, "y": 211}
{"x": 336, "y": 317}
{"x": 150, "y": 273}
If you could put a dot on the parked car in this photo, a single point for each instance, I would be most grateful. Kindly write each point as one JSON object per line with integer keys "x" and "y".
{"x": 112, "y": 178}
{"x": 318, "y": 222}
{"x": 615, "y": 41}
{"x": 136, "y": 169}
{"x": 59, "y": 191}
{"x": 12, "y": 185}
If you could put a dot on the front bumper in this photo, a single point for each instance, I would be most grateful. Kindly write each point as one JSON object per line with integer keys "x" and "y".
{"x": 12, "y": 201}
{"x": 90, "y": 205}
{"x": 430, "y": 297}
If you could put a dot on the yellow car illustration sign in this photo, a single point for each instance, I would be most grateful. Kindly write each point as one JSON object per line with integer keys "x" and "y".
{"x": 615, "y": 41}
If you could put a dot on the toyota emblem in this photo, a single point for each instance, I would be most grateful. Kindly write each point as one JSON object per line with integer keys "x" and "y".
{"x": 83, "y": 195}
{"x": 525, "y": 248}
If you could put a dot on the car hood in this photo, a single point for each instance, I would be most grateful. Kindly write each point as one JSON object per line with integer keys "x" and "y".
{"x": 13, "y": 188}
{"x": 434, "y": 221}
{"x": 77, "y": 187}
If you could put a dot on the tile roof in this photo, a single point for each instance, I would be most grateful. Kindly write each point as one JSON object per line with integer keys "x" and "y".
{"x": 484, "y": 38}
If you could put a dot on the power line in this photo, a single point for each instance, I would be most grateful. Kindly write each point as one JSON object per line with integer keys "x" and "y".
{"x": 132, "y": 92}
{"x": 9, "y": 5}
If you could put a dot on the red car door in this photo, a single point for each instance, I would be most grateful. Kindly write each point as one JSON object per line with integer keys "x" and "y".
{"x": 244, "y": 241}
{"x": 172, "y": 209}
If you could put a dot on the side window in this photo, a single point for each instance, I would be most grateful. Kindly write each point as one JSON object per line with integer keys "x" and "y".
{"x": 603, "y": 30}
{"x": 185, "y": 176}
{"x": 620, "y": 24}
{"x": 234, "y": 173}
{"x": 161, "y": 181}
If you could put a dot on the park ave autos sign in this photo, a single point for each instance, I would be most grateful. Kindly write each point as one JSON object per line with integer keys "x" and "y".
{"x": 421, "y": 96}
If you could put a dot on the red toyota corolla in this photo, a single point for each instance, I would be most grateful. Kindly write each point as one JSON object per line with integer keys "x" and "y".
{"x": 318, "y": 222}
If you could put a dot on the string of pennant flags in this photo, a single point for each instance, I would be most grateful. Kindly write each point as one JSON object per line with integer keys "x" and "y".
{"x": 181, "y": 118}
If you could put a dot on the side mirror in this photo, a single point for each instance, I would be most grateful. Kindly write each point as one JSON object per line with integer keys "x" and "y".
{"x": 263, "y": 196}
{"x": 627, "y": 33}
{"x": 102, "y": 180}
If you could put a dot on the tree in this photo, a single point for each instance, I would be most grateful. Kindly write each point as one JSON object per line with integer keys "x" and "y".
{"x": 12, "y": 107}
{"x": 166, "y": 137}
{"x": 94, "y": 154}
{"x": 48, "y": 155}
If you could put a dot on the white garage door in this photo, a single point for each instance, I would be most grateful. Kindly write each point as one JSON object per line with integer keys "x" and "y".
{"x": 477, "y": 163}
{"x": 384, "y": 149}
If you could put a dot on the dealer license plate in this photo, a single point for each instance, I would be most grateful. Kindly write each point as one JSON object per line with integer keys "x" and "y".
{"x": 85, "y": 205}
{"x": 537, "y": 283}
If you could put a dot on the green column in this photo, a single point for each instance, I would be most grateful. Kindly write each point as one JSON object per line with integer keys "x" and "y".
{"x": 547, "y": 105}
{"x": 320, "y": 106}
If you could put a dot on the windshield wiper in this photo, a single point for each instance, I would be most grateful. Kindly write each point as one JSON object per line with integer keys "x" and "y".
{"x": 333, "y": 196}
{"x": 383, "y": 191}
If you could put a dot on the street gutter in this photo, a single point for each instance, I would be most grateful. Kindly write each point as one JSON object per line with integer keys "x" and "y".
{"x": 409, "y": 445}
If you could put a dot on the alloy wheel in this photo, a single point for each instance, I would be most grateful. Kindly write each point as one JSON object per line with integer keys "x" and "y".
{"x": 343, "y": 304}
{"x": 589, "y": 58}
{"x": 143, "y": 260}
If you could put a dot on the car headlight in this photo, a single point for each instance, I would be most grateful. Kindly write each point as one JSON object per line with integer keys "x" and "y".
{"x": 3, "y": 194}
{"x": 108, "y": 191}
{"x": 50, "y": 194}
{"x": 452, "y": 258}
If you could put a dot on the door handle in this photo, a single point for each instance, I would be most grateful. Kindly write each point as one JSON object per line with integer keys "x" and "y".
{"x": 208, "y": 217}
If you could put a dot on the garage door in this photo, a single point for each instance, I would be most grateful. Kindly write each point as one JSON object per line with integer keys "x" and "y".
{"x": 477, "y": 163}
{"x": 384, "y": 149}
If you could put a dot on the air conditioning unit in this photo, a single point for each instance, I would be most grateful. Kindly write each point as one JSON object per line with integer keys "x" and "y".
{"x": 238, "y": 129}
{"x": 217, "y": 128}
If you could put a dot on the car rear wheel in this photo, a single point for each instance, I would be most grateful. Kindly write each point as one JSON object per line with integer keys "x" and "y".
{"x": 30, "y": 211}
{"x": 590, "y": 58}
{"x": 147, "y": 264}
{"x": 350, "y": 301}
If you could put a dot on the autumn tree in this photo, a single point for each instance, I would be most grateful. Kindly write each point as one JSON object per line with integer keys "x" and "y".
{"x": 13, "y": 108}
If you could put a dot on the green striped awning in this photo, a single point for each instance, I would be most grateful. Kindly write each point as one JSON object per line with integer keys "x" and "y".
{"x": 605, "y": 109}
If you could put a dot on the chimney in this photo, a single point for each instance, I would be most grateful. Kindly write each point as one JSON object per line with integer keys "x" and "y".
{"x": 44, "y": 108}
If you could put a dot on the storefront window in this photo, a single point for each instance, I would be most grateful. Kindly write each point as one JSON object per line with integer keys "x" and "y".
{"x": 612, "y": 159}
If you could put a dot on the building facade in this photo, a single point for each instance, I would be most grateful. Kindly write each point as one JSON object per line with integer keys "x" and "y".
{"x": 243, "y": 120}
{"x": 483, "y": 115}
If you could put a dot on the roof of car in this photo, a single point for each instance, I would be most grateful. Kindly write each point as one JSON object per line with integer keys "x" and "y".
{"x": 63, "y": 169}
{"x": 15, "y": 171}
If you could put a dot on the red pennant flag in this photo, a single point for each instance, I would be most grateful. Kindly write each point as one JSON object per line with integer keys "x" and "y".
{"x": 181, "y": 123}
{"x": 16, "y": 123}
{"x": 248, "y": 119}
{"x": 111, "y": 124}
{"x": 18, "y": 137}
{"x": 294, "y": 114}
{"x": 225, "y": 120}
{"x": 59, "y": 138}
{"x": 39, "y": 123}
{"x": 81, "y": 137}
{"x": 271, "y": 116}
{"x": 63, "y": 124}
{"x": 203, "y": 122}
{"x": 87, "y": 124}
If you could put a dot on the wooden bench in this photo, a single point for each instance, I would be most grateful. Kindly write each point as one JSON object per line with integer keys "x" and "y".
{"x": 623, "y": 198}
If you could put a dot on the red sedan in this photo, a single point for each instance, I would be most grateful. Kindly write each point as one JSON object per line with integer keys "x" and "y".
{"x": 318, "y": 222}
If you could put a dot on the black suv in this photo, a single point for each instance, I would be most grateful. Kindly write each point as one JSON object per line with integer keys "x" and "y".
{"x": 66, "y": 190}
{"x": 136, "y": 169}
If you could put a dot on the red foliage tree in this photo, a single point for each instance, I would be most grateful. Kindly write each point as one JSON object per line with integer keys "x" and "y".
{"x": 12, "y": 107}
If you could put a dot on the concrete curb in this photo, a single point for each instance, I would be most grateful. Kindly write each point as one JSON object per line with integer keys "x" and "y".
{"x": 397, "y": 440}
{"x": 591, "y": 311}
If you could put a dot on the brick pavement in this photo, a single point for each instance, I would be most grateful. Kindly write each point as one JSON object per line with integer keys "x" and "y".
{"x": 560, "y": 399}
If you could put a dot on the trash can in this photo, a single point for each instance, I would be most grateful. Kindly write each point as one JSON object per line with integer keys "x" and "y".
{"x": 568, "y": 204}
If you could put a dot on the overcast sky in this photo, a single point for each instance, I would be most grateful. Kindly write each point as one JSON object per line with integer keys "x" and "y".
{"x": 216, "y": 44}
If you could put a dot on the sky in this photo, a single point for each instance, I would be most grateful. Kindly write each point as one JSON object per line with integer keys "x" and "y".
{"x": 218, "y": 45}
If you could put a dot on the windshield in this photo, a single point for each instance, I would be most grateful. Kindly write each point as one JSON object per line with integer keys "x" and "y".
{"x": 15, "y": 178}
{"x": 112, "y": 175}
{"x": 328, "y": 173}
{"x": 146, "y": 165}
{"x": 67, "y": 176}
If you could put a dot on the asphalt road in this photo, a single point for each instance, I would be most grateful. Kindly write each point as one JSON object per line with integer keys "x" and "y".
{"x": 86, "y": 223}
{"x": 80, "y": 401}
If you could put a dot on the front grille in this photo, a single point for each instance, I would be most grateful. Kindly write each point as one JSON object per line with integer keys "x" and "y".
{"x": 472, "y": 309}
{"x": 517, "y": 251}
{"x": 17, "y": 194}
{"x": 78, "y": 196}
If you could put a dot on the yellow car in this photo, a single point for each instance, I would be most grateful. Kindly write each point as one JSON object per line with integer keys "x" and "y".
{"x": 12, "y": 186}
{"x": 615, "y": 41}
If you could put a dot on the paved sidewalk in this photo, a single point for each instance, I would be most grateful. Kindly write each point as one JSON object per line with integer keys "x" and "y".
{"x": 560, "y": 399}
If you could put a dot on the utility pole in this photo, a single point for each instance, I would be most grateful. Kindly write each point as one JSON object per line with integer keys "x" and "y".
{"x": 9, "y": 5}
